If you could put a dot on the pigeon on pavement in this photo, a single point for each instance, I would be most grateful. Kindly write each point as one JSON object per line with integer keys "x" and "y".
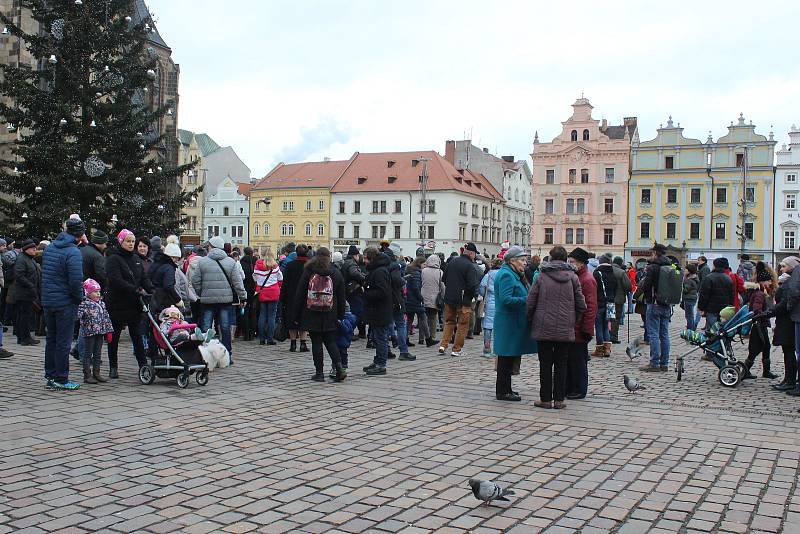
{"x": 631, "y": 384}
{"x": 488, "y": 491}
{"x": 634, "y": 349}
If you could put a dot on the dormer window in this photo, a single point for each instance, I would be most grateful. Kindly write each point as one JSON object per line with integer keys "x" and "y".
{"x": 390, "y": 163}
{"x": 362, "y": 179}
{"x": 469, "y": 182}
{"x": 459, "y": 179}
{"x": 392, "y": 179}
{"x": 414, "y": 162}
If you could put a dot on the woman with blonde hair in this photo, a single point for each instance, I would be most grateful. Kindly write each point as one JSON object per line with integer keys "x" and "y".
{"x": 268, "y": 279}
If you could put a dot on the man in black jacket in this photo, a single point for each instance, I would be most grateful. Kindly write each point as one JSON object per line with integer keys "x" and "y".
{"x": 354, "y": 286}
{"x": 378, "y": 307}
{"x": 716, "y": 292}
{"x": 248, "y": 263}
{"x": 461, "y": 286}
{"x": 94, "y": 260}
{"x": 27, "y": 276}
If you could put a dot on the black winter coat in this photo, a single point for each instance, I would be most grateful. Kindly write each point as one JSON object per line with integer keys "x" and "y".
{"x": 353, "y": 275}
{"x": 716, "y": 292}
{"x": 291, "y": 279}
{"x": 378, "y": 293}
{"x": 461, "y": 281}
{"x": 313, "y": 320}
{"x": 784, "y": 326}
{"x": 396, "y": 276}
{"x": 27, "y": 279}
{"x": 604, "y": 275}
{"x": 125, "y": 277}
{"x": 248, "y": 264}
{"x": 414, "y": 303}
{"x": 162, "y": 277}
{"x": 94, "y": 264}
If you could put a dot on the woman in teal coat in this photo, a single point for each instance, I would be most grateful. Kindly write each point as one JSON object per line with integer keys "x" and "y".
{"x": 511, "y": 332}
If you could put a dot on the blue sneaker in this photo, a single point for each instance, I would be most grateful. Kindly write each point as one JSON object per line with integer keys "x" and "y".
{"x": 69, "y": 386}
{"x": 49, "y": 384}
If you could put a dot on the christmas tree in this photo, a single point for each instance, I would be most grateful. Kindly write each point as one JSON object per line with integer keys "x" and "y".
{"x": 88, "y": 128}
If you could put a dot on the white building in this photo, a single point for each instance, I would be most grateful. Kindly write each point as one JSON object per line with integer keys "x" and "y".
{"x": 787, "y": 198}
{"x": 379, "y": 196}
{"x": 227, "y": 213}
{"x": 511, "y": 177}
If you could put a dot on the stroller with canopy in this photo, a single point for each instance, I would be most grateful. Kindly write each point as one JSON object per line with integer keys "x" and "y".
{"x": 176, "y": 362}
{"x": 718, "y": 345}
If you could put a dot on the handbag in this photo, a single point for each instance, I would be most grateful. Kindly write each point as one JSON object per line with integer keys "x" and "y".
{"x": 611, "y": 309}
{"x": 236, "y": 300}
{"x": 440, "y": 295}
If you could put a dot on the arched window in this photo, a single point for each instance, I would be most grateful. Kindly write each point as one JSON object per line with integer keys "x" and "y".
{"x": 212, "y": 211}
{"x": 225, "y": 211}
{"x": 241, "y": 211}
{"x": 516, "y": 195}
{"x": 586, "y": 135}
{"x": 287, "y": 229}
{"x": 320, "y": 230}
{"x": 266, "y": 229}
{"x": 255, "y": 229}
{"x": 574, "y": 135}
{"x": 308, "y": 228}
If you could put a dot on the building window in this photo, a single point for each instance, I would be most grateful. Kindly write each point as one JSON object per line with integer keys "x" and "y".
{"x": 308, "y": 205}
{"x": 550, "y": 176}
{"x": 791, "y": 178}
{"x": 669, "y": 162}
{"x": 789, "y": 239}
{"x": 237, "y": 231}
{"x": 586, "y": 135}
{"x": 570, "y": 206}
{"x": 288, "y": 205}
{"x": 671, "y": 229}
{"x": 378, "y": 231}
{"x": 740, "y": 160}
{"x": 609, "y": 175}
{"x": 791, "y": 201}
{"x": 356, "y": 231}
{"x": 321, "y": 205}
{"x": 719, "y": 230}
{"x": 341, "y": 207}
{"x": 645, "y": 196}
{"x": 750, "y": 194}
{"x": 320, "y": 230}
{"x": 672, "y": 196}
{"x": 749, "y": 230}
{"x": 431, "y": 206}
{"x": 474, "y": 233}
{"x": 397, "y": 232}
{"x": 398, "y": 206}
{"x": 608, "y": 205}
{"x": 484, "y": 234}
{"x": 608, "y": 236}
{"x": 256, "y": 228}
{"x": 462, "y": 208}
{"x": 644, "y": 230}
{"x": 581, "y": 206}
{"x": 548, "y": 236}
{"x": 431, "y": 232}
{"x": 548, "y": 206}
{"x": 308, "y": 228}
{"x": 226, "y": 211}
{"x": 475, "y": 210}
{"x": 573, "y": 136}
{"x": 378, "y": 206}
{"x": 569, "y": 236}
{"x": 584, "y": 176}
{"x": 695, "y": 195}
{"x": 694, "y": 230}
{"x": 266, "y": 229}
{"x": 485, "y": 212}
{"x": 357, "y": 206}
{"x": 462, "y": 233}
{"x": 579, "y": 235}
{"x": 287, "y": 229}
{"x": 573, "y": 174}
{"x": 722, "y": 195}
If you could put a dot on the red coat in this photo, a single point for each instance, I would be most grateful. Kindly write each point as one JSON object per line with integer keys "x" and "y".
{"x": 738, "y": 288}
{"x": 632, "y": 277}
{"x": 589, "y": 288}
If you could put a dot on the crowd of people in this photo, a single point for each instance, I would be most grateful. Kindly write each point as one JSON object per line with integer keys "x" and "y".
{"x": 82, "y": 291}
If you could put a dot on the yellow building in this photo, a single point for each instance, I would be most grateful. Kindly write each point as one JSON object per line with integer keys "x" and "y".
{"x": 712, "y": 198}
{"x": 189, "y": 152}
{"x": 292, "y": 204}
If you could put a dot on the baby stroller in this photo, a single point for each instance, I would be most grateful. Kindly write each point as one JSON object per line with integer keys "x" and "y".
{"x": 718, "y": 346}
{"x": 178, "y": 362}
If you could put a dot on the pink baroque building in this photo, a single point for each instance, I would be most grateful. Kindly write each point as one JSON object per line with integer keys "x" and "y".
{"x": 580, "y": 184}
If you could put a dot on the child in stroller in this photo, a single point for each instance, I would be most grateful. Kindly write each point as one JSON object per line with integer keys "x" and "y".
{"x": 177, "y": 331}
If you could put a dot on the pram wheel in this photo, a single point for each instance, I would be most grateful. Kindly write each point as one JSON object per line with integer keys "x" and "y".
{"x": 202, "y": 377}
{"x": 147, "y": 374}
{"x": 729, "y": 376}
{"x": 183, "y": 380}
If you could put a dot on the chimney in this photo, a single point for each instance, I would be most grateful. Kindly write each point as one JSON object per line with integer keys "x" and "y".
{"x": 486, "y": 150}
{"x": 604, "y": 124}
{"x": 450, "y": 151}
{"x": 508, "y": 159}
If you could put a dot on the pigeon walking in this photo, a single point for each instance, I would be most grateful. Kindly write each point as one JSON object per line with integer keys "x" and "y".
{"x": 634, "y": 349}
{"x": 631, "y": 384}
{"x": 487, "y": 491}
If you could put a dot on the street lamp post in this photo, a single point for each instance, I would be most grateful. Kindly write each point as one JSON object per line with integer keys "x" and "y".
{"x": 741, "y": 229}
{"x": 423, "y": 187}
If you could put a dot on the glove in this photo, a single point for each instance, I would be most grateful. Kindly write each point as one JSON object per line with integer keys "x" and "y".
{"x": 109, "y": 337}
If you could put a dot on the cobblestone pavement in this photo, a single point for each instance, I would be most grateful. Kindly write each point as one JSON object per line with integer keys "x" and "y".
{"x": 264, "y": 449}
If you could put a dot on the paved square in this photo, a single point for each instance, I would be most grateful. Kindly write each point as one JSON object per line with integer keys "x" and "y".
{"x": 262, "y": 448}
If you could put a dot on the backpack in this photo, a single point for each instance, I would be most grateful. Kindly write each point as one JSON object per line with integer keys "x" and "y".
{"x": 669, "y": 289}
{"x": 320, "y": 293}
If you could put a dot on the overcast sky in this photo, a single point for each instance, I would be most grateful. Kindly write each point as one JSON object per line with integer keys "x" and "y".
{"x": 301, "y": 80}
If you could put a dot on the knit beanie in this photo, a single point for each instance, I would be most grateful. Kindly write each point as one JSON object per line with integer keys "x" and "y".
{"x": 155, "y": 243}
{"x": 720, "y": 263}
{"x": 353, "y": 250}
{"x": 75, "y": 228}
{"x": 619, "y": 261}
{"x": 791, "y": 262}
{"x": 90, "y": 286}
{"x": 123, "y": 234}
{"x": 99, "y": 237}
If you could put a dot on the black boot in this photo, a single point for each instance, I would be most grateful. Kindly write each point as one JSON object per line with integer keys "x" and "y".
{"x": 319, "y": 376}
{"x": 303, "y": 346}
{"x": 112, "y": 373}
{"x": 766, "y": 372}
{"x": 293, "y": 345}
{"x": 341, "y": 373}
{"x": 748, "y": 364}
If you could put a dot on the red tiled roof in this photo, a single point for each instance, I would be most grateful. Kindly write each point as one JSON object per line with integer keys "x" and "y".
{"x": 300, "y": 175}
{"x": 396, "y": 171}
{"x": 244, "y": 189}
